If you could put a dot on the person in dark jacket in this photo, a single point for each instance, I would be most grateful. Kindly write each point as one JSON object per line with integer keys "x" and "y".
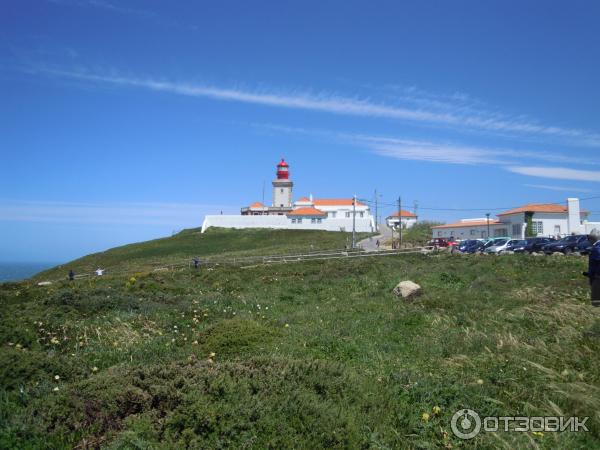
{"x": 196, "y": 262}
{"x": 594, "y": 267}
{"x": 71, "y": 275}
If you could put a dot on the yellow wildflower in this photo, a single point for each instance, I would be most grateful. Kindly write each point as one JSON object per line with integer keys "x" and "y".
{"x": 437, "y": 410}
{"x": 425, "y": 417}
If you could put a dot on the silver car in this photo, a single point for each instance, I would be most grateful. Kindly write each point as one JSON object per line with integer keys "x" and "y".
{"x": 500, "y": 246}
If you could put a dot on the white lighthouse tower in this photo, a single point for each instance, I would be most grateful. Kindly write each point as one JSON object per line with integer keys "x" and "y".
{"x": 282, "y": 186}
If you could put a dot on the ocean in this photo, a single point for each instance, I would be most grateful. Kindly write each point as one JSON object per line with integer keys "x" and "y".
{"x": 20, "y": 270}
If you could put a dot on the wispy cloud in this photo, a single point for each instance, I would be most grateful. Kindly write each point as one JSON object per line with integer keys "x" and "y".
{"x": 441, "y": 152}
{"x": 557, "y": 188}
{"x": 343, "y": 105}
{"x": 558, "y": 173}
{"x": 449, "y": 153}
{"x": 167, "y": 214}
{"x": 115, "y": 7}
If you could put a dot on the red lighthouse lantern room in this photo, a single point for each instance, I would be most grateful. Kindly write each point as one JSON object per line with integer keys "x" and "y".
{"x": 283, "y": 172}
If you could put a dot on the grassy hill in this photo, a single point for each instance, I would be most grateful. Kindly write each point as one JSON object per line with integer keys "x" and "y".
{"x": 303, "y": 355}
{"x": 183, "y": 246}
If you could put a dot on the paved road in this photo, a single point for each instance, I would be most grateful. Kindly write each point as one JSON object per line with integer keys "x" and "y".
{"x": 370, "y": 244}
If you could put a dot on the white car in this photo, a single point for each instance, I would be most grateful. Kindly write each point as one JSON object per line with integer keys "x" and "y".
{"x": 501, "y": 246}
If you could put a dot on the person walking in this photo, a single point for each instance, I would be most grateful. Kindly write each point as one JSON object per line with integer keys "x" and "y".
{"x": 593, "y": 272}
{"x": 377, "y": 243}
{"x": 99, "y": 272}
{"x": 71, "y": 275}
{"x": 196, "y": 262}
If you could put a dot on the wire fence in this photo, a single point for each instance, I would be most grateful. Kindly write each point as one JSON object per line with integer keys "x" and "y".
{"x": 251, "y": 261}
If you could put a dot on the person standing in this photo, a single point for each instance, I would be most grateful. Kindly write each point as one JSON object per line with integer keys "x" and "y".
{"x": 196, "y": 262}
{"x": 71, "y": 275}
{"x": 594, "y": 267}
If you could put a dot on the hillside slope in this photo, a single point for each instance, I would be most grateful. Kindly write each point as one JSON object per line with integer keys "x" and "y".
{"x": 300, "y": 355}
{"x": 188, "y": 243}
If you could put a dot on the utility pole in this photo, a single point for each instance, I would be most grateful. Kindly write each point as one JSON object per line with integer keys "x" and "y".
{"x": 354, "y": 221}
{"x": 488, "y": 224}
{"x": 400, "y": 217}
{"x": 376, "y": 217}
{"x": 415, "y": 207}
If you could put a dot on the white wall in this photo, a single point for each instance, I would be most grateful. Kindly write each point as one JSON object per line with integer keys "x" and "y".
{"x": 474, "y": 232}
{"x": 407, "y": 222}
{"x": 282, "y": 193}
{"x": 363, "y": 224}
{"x": 589, "y": 226}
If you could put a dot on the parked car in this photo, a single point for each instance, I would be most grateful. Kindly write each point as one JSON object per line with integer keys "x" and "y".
{"x": 442, "y": 242}
{"x": 464, "y": 245}
{"x": 515, "y": 245}
{"x": 492, "y": 241}
{"x": 535, "y": 244}
{"x": 505, "y": 245}
{"x": 584, "y": 247}
{"x": 566, "y": 245}
{"x": 497, "y": 246}
{"x": 476, "y": 247}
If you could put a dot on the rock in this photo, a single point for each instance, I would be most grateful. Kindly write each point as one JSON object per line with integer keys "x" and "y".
{"x": 537, "y": 254}
{"x": 407, "y": 289}
{"x": 44, "y": 283}
{"x": 558, "y": 254}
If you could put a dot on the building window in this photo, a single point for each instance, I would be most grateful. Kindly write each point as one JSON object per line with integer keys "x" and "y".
{"x": 538, "y": 227}
{"x": 473, "y": 232}
{"x": 281, "y": 190}
{"x": 348, "y": 214}
{"x": 332, "y": 214}
{"x": 500, "y": 232}
{"x": 299, "y": 220}
{"x": 313, "y": 220}
{"x": 516, "y": 229}
{"x": 439, "y": 233}
{"x": 319, "y": 220}
{"x": 362, "y": 214}
{"x": 293, "y": 220}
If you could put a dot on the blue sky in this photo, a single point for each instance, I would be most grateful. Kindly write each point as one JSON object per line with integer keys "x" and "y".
{"x": 122, "y": 121}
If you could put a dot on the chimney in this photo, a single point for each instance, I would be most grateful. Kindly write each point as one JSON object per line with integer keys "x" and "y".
{"x": 574, "y": 220}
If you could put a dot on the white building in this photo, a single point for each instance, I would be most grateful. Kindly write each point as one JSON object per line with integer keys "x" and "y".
{"x": 407, "y": 219}
{"x": 547, "y": 219}
{"x": 341, "y": 214}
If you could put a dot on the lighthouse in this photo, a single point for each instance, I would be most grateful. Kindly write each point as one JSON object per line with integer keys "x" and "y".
{"x": 282, "y": 186}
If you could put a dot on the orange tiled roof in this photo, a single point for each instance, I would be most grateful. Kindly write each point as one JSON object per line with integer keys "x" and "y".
{"x": 303, "y": 199}
{"x": 335, "y": 202}
{"x": 404, "y": 214}
{"x": 537, "y": 207}
{"x": 257, "y": 205}
{"x": 468, "y": 223}
{"x": 307, "y": 212}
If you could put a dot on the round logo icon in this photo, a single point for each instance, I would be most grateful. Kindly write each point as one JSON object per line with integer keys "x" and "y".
{"x": 466, "y": 424}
